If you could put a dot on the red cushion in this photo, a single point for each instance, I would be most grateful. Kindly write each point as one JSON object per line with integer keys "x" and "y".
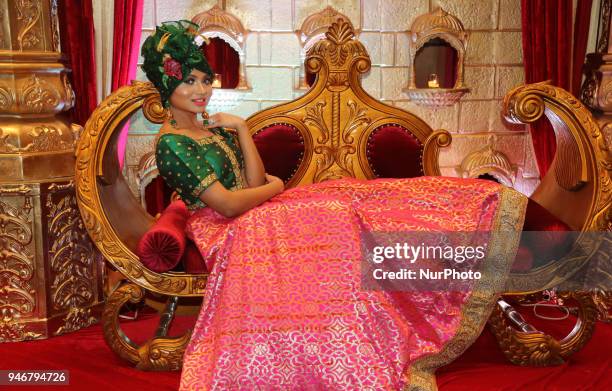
{"x": 394, "y": 152}
{"x": 281, "y": 147}
{"x": 160, "y": 249}
{"x": 192, "y": 259}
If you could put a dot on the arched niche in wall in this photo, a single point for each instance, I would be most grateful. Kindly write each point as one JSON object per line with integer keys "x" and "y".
{"x": 226, "y": 52}
{"x": 313, "y": 30}
{"x": 437, "y": 51}
{"x": 225, "y": 62}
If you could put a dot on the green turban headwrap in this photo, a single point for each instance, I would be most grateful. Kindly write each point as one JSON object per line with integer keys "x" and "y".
{"x": 170, "y": 54}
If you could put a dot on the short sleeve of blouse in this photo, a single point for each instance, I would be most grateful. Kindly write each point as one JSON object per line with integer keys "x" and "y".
{"x": 182, "y": 166}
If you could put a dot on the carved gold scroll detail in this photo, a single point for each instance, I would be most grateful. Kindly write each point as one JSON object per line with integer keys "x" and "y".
{"x": 17, "y": 266}
{"x": 29, "y": 13}
{"x": 603, "y": 302}
{"x": 3, "y": 43}
{"x": 7, "y": 98}
{"x": 157, "y": 354}
{"x": 313, "y": 29}
{"x": 44, "y": 139}
{"x": 51, "y": 284}
{"x": 39, "y": 96}
{"x": 583, "y": 155}
{"x": 55, "y": 31}
{"x": 536, "y": 348}
{"x": 72, "y": 260}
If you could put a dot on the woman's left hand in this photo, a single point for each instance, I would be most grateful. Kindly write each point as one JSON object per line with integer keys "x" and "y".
{"x": 226, "y": 120}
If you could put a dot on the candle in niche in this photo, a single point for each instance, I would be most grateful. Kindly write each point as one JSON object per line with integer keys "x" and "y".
{"x": 433, "y": 81}
{"x": 216, "y": 81}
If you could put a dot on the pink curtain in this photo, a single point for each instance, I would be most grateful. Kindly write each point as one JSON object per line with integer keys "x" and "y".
{"x": 126, "y": 47}
{"x": 551, "y": 52}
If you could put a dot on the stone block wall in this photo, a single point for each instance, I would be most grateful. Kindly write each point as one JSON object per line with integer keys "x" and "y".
{"x": 493, "y": 65}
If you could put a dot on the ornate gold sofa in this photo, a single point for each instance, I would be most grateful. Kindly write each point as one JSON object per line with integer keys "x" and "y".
{"x": 333, "y": 128}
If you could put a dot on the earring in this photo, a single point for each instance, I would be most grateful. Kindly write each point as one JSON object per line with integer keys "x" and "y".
{"x": 170, "y": 118}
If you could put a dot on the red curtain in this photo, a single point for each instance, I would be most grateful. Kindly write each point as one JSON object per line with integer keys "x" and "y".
{"x": 550, "y": 53}
{"x": 126, "y": 40}
{"x": 223, "y": 60}
{"x": 77, "y": 41}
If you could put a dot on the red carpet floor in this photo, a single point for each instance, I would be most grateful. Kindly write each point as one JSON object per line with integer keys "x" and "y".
{"x": 93, "y": 366}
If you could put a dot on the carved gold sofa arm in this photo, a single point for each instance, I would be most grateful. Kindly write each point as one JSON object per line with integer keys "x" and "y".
{"x": 105, "y": 200}
{"x": 104, "y": 197}
{"x": 577, "y": 190}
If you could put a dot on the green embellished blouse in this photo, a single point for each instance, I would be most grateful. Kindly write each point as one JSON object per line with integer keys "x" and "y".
{"x": 190, "y": 166}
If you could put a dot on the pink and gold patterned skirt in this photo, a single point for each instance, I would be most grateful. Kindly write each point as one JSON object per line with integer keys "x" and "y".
{"x": 284, "y": 308}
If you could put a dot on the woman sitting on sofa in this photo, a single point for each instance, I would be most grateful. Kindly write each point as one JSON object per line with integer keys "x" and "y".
{"x": 284, "y": 306}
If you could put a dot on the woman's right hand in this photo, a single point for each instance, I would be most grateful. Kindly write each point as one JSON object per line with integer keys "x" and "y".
{"x": 276, "y": 181}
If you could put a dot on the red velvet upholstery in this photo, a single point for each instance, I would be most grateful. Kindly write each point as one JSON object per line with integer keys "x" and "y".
{"x": 554, "y": 238}
{"x": 161, "y": 248}
{"x": 281, "y": 147}
{"x": 192, "y": 259}
{"x": 537, "y": 218}
{"x": 157, "y": 195}
{"x": 393, "y": 152}
{"x": 550, "y": 239}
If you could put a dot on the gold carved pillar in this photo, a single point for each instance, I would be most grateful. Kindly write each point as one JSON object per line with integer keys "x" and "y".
{"x": 50, "y": 273}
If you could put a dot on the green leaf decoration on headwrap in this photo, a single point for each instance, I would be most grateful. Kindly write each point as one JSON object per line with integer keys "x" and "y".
{"x": 170, "y": 54}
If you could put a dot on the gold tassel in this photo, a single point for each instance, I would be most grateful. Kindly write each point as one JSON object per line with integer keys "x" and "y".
{"x": 162, "y": 42}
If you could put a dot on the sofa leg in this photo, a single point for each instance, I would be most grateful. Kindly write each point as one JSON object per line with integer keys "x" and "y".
{"x": 167, "y": 317}
{"x": 522, "y": 344}
{"x": 160, "y": 353}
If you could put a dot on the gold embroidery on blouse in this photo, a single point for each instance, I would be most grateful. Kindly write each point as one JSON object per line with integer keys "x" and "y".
{"x": 197, "y": 205}
{"x": 220, "y": 141}
{"x": 230, "y": 155}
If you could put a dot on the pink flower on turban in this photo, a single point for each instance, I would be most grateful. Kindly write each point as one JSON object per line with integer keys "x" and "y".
{"x": 172, "y": 68}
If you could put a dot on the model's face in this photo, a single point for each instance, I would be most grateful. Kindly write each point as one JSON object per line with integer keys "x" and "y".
{"x": 193, "y": 93}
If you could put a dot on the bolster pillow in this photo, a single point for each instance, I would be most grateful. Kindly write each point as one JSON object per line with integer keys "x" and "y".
{"x": 161, "y": 248}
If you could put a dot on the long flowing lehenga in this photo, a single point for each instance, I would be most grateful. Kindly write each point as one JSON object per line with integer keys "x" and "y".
{"x": 284, "y": 308}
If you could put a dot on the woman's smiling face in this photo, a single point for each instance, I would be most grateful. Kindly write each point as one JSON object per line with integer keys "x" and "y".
{"x": 194, "y": 93}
